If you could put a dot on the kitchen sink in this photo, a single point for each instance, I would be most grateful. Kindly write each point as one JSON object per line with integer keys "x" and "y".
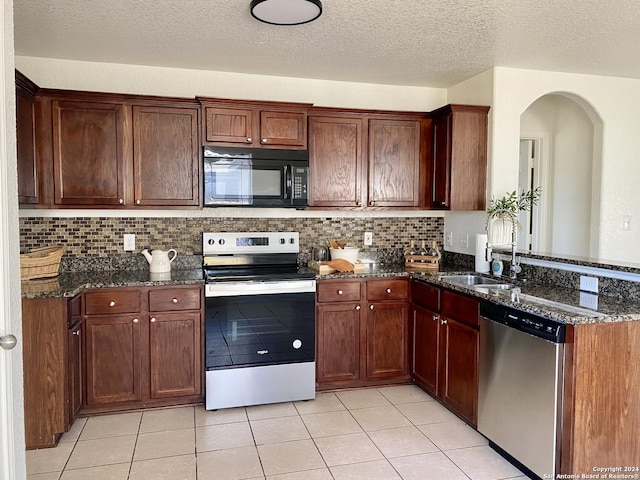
{"x": 476, "y": 281}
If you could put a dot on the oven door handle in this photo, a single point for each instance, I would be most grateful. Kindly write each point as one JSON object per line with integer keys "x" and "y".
{"x": 236, "y": 289}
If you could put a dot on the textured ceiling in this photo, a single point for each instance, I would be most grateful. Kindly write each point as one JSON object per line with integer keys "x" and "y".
{"x": 435, "y": 43}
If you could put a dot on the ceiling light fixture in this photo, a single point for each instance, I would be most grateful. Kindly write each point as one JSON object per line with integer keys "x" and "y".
{"x": 286, "y": 12}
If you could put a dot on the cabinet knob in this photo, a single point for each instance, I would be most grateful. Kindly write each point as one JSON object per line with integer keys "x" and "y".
{"x": 359, "y": 203}
{"x": 372, "y": 203}
{"x": 443, "y": 321}
{"x": 121, "y": 201}
{"x": 435, "y": 318}
{"x": 8, "y": 342}
{"x": 174, "y": 300}
{"x": 358, "y": 308}
{"x": 112, "y": 303}
{"x": 77, "y": 332}
{"x": 137, "y": 202}
{"x": 135, "y": 320}
{"x": 249, "y": 139}
{"x": 153, "y": 319}
{"x": 371, "y": 307}
{"x": 340, "y": 292}
{"x": 388, "y": 290}
{"x": 264, "y": 140}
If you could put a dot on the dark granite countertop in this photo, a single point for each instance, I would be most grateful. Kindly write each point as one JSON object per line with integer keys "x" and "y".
{"x": 559, "y": 303}
{"x": 71, "y": 283}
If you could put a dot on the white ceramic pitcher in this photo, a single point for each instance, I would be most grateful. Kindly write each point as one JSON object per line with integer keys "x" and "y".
{"x": 159, "y": 261}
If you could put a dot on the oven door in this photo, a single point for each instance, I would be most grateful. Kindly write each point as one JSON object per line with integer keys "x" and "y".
{"x": 252, "y": 323}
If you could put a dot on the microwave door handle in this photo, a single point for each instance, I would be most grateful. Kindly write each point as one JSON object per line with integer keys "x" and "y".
{"x": 287, "y": 182}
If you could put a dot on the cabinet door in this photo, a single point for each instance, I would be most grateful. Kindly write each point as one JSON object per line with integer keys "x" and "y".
{"x": 114, "y": 347}
{"x": 283, "y": 129}
{"x": 337, "y": 342}
{"x": 458, "y": 375}
{"x": 425, "y": 348}
{"x": 88, "y": 153}
{"x": 166, "y": 156}
{"x": 26, "y": 147}
{"x": 228, "y": 125}
{"x": 394, "y": 163}
{"x": 335, "y": 158}
{"x": 175, "y": 354}
{"x": 441, "y": 176}
{"x": 387, "y": 340}
{"x": 74, "y": 371}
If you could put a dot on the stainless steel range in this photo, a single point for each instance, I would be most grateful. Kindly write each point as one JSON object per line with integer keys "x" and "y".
{"x": 260, "y": 320}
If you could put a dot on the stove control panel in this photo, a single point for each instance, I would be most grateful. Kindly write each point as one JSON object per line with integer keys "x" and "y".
{"x": 220, "y": 243}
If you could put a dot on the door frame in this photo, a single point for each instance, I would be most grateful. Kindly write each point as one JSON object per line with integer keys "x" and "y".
{"x": 542, "y": 228}
{"x": 12, "y": 446}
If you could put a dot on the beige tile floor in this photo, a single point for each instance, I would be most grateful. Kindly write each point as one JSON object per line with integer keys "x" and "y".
{"x": 389, "y": 433}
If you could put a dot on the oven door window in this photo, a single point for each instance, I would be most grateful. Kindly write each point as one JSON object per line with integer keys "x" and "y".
{"x": 256, "y": 330}
{"x": 243, "y": 181}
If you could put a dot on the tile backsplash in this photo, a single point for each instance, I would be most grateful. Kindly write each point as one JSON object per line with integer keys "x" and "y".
{"x": 95, "y": 243}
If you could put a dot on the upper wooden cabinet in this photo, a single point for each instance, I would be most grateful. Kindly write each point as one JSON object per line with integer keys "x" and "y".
{"x": 119, "y": 151}
{"x": 26, "y": 139}
{"x": 370, "y": 160}
{"x": 88, "y": 153}
{"x": 336, "y": 152}
{"x": 268, "y": 124}
{"x": 459, "y": 157}
{"x": 166, "y": 156}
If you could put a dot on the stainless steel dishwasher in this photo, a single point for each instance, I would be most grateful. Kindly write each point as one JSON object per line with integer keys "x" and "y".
{"x": 520, "y": 386}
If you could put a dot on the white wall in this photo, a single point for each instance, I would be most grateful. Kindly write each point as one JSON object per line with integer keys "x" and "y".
{"x": 616, "y": 102}
{"x": 570, "y": 170}
{"x": 145, "y": 80}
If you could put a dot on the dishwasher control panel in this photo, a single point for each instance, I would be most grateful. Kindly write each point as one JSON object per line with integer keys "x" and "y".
{"x": 545, "y": 328}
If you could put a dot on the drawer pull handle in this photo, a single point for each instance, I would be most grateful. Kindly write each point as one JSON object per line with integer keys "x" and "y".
{"x": 358, "y": 307}
{"x": 135, "y": 320}
{"x": 112, "y": 303}
{"x": 175, "y": 300}
{"x": 340, "y": 292}
{"x": 388, "y": 290}
{"x": 153, "y": 319}
{"x": 371, "y": 307}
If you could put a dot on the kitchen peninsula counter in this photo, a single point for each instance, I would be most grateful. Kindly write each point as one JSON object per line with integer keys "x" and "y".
{"x": 552, "y": 301}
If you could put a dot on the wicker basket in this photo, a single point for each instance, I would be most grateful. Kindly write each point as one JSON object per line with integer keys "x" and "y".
{"x": 40, "y": 263}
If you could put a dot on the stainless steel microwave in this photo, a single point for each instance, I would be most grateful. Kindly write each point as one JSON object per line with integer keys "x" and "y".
{"x": 255, "y": 177}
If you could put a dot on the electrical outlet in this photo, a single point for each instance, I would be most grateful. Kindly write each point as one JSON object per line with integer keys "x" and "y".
{"x": 589, "y": 300}
{"x": 368, "y": 238}
{"x": 129, "y": 242}
{"x": 448, "y": 239}
{"x": 464, "y": 240}
{"x": 589, "y": 284}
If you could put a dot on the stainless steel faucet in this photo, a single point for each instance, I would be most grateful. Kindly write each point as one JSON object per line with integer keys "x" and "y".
{"x": 515, "y": 267}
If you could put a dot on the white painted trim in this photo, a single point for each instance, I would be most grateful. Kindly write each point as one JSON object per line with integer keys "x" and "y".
{"x": 12, "y": 444}
{"x": 225, "y": 212}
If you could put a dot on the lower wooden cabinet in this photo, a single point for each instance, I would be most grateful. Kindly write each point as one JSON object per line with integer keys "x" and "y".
{"x": 445, "y": 327}
{"x": 362, "y": 332}
{"x": 145, "y": 357}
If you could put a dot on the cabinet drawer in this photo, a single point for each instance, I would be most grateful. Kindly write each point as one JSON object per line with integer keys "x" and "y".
{"x": 426, "y": 295}
{"x": 460, "y": 307}
{"x": 338, "y": 291}
{"x": 166, "y": 299}
{"x": 379, "y": 290}
{"x": 112, "y": 301}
